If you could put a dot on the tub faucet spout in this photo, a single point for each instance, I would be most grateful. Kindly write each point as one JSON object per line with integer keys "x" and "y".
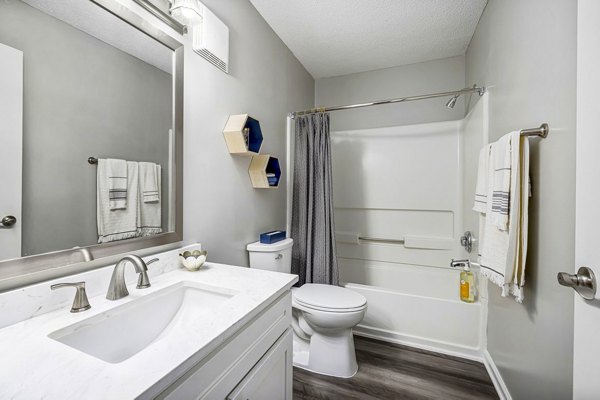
{"x": 460, "y": 263}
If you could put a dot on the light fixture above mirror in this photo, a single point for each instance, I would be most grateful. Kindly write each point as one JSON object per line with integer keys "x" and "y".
{"x": 210, "y": 35}
{"x": 188, "y": 12}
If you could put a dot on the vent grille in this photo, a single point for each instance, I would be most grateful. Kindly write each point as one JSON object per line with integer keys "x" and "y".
{"x": 211, "y": 40}
{"x": 211, "y": 58}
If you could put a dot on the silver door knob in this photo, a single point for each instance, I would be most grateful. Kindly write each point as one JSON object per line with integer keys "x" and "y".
{"x": 583, "y": 282}
{"x": 8, "y": 221}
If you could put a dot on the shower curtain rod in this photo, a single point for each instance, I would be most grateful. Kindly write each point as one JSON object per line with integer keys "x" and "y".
{"x": 475, "y": 89}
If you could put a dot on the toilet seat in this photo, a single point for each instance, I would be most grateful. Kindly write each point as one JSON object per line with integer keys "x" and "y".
{"x": 329, "y": 298}
{"x": 329, "y": 310}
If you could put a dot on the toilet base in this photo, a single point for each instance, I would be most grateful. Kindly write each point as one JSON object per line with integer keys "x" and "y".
{"x": 331, "y": 354}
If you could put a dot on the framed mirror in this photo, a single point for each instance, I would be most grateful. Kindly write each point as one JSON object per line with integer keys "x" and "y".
{"x": 91, "y": 132}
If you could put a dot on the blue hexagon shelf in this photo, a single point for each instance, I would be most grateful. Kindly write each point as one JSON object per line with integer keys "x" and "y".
{"x": 265, "y": 172}
{"x": 243, "y": 135}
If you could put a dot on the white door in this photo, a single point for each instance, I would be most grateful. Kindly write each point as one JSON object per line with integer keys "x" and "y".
{"x": 586, "y": 362}
{"x": 11, "y": 142}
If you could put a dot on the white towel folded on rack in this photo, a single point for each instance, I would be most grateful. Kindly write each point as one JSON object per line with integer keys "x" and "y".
{"x": 149, "y": 222}
{"x": 117, "y": 224}
{"x": 115, "y": 172}
{"x": 481, "y": 187}
{"x": 149, "y": 182}
{"x": 503, "y": 252}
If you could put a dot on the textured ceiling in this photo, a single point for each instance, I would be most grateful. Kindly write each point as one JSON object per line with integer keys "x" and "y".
{"x": 338, "y": 37}
{"x": 95, "y": 21}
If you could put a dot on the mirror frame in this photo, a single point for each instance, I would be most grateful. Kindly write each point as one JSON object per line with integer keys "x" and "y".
{"x": 19, "y": 272}
{"x": 164, "y": 17}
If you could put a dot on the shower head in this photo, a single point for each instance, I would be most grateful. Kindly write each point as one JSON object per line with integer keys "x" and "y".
{"x": 452, "y": 102}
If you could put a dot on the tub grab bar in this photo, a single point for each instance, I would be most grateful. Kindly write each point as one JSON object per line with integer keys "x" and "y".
{"x": 373, "y": 239}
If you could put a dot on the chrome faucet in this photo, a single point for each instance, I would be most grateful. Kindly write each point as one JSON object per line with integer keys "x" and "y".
{"x": 460, "y": 263}
{"x": 118, "y": 288}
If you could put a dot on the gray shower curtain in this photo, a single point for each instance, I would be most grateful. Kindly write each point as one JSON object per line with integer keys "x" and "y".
{"x": 313, "y": 255}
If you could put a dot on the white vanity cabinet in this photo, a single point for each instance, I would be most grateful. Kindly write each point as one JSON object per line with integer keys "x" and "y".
{"x": 270, "y": 377}
{"x": 255, "y": 363}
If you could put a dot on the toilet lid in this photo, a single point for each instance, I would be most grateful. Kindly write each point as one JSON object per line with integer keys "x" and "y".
{"x": 329, "y": 297}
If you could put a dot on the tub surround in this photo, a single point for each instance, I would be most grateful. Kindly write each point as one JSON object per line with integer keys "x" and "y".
{"x": 42, "y": 367}
{"x": 405, "y": 282}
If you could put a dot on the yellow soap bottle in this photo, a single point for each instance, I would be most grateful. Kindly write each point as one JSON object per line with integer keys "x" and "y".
{"x": 467, "y": 285}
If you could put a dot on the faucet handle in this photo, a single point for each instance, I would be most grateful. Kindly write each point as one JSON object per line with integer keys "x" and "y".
{"x": 80, "y": 303}
{"x": 143, "y": 280}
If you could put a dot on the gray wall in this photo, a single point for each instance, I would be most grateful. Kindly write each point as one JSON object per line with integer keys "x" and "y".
{"x": 422, "y": 78}
{"x": 525, "y": 53}
{"x": 221, "y": 209}
{"x": 82, "y": 98}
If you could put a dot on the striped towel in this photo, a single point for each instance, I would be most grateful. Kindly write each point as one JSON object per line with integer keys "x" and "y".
{"x": 150, "y": 219}
{"x": 502, "y": 252}
{"x": 115, "y": 171}
{"x": 122, "y": 223}
{"x": 481, "y": 187}
{"x": 149, "y": 182}
{"x": 500, "y": 161}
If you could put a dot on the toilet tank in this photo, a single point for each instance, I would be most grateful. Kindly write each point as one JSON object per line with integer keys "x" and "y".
{"x": 272, "y": 257}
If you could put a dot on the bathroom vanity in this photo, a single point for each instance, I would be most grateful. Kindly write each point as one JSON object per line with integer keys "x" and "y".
{"x": 220, "y": 333}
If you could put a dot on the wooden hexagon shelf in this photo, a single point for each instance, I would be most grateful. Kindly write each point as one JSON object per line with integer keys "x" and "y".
{"x": 239, "y": 141}
{"x": 265, "y": 172}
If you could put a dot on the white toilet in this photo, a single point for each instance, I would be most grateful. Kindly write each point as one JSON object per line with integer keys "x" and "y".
{"x": 323, "y": 315}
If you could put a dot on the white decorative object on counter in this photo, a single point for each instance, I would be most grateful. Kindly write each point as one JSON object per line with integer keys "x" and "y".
{"x": 193, "y": 260}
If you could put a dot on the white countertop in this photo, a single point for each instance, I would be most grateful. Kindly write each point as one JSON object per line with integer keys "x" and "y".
{"x": 34, "y": 366}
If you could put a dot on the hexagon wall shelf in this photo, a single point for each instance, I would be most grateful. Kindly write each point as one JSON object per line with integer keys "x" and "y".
{"x": 237, "y": 142}
{"x": 265, "y": 172}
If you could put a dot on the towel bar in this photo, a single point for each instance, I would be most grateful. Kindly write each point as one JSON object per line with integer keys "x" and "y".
{"x": 542, "y": 131}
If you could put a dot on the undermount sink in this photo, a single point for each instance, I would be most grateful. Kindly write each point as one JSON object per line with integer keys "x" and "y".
{"x": 118, "y": 334}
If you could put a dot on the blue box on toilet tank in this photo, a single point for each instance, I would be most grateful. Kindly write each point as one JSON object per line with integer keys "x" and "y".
{"x": 272, "y": 237}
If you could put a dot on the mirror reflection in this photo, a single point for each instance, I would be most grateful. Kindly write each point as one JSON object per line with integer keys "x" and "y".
{"x": 91, "y": 87}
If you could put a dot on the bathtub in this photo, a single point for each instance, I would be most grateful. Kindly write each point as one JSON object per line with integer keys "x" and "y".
{"x": 416, "y": 305}
{"x": 406, "y": 185}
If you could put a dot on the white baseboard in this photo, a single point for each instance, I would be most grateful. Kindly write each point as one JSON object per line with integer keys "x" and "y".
{"x": 450, "y": 349}
{"x": 494, "y": 373}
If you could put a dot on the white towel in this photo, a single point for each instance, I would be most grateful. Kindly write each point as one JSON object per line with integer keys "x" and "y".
{"x": 115, "y": 172}
{"x": 150, "y": 212}
{"x": 503, "y": 252}
{"x": 518, "y": 236}
{"x": 149, "y": 182}
{"x": 481, "y": 188}
{"x": 121, "y": 223}
{"x": 501, "y": 162}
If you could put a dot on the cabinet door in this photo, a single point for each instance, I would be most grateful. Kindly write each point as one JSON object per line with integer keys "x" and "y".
{"x": 271, "y": 377}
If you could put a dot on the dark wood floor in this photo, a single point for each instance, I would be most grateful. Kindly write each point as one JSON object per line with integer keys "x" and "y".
{"x": 390, "y": 371}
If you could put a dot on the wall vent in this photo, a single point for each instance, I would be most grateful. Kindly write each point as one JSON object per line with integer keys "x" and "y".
{"x": 211, "y": 40}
